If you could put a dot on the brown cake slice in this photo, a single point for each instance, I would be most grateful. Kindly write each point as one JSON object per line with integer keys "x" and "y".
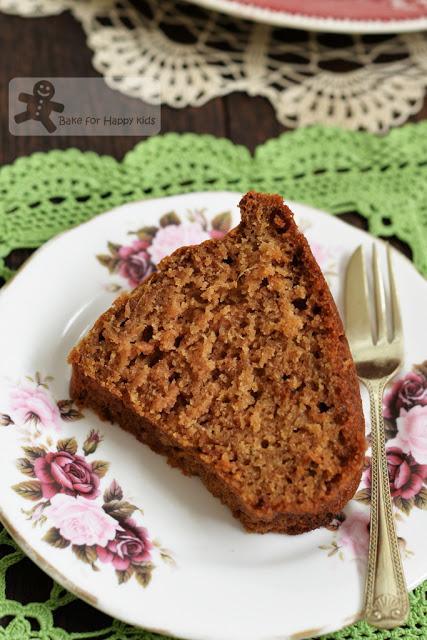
{"x": 232, "y": 361}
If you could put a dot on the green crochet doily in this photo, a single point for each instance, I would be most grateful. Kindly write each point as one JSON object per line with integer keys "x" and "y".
{"x": 384, "y": 179}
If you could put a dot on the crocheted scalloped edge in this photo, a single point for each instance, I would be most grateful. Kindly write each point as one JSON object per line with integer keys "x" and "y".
{"x": 384, "y": 179}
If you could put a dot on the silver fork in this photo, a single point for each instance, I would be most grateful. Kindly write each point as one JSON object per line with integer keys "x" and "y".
{"x": 378, "y": 358}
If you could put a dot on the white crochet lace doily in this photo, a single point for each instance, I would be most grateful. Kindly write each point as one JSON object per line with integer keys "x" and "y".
{"x": 199, "y": 54}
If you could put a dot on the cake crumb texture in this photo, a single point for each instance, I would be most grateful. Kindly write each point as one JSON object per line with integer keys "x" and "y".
{"x": 232, "y": 361}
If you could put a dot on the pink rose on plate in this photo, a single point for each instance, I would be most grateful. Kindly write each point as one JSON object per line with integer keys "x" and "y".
{"x": 405, "y": 474}
{"x": 81, "y": 521}
{"x": 217, "y": 233}
{"x": 354, "y": 534}
{"x": 173, "y": 236}
{"x": 34, "y": 405}
{"x": 63, "y": 472}
{"x": 135, "y": 263}
{"x": 405, "y": 393}
{"x": 412, "y": 433}
{"x": 131, "y": 545}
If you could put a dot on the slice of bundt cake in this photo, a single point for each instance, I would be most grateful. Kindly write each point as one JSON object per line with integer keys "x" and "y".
{"x": 232, "y": 361}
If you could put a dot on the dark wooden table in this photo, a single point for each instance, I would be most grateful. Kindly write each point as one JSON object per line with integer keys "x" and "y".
{"x": 56, "y": 47}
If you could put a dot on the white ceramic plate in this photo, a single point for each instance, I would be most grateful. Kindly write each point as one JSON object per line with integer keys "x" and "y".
{"x": 110, "y": 520}
{"x": 340, "y": 16}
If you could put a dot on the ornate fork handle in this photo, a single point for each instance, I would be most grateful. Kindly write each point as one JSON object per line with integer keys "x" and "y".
{"x": 386, "y": 597}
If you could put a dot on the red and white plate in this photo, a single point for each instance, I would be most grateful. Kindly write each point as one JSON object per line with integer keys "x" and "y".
{"x": 356, "y": 16}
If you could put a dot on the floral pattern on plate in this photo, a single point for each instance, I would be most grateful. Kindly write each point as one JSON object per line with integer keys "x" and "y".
{"x": 351, "y": 539}
{"x": 405, "y": 420}
{"x": 137, "y": 260}
{"x": 33, "y": 408}
{"x": 96, "y": 522}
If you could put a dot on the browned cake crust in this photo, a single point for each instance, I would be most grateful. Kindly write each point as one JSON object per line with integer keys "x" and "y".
{"x": 231, "y": 360}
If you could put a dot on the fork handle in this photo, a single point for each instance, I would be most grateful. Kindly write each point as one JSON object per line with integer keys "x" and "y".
{"x": 386, "y": 596}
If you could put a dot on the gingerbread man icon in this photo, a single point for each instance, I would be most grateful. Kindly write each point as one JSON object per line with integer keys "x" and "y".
{"x": 40, "y": 105}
